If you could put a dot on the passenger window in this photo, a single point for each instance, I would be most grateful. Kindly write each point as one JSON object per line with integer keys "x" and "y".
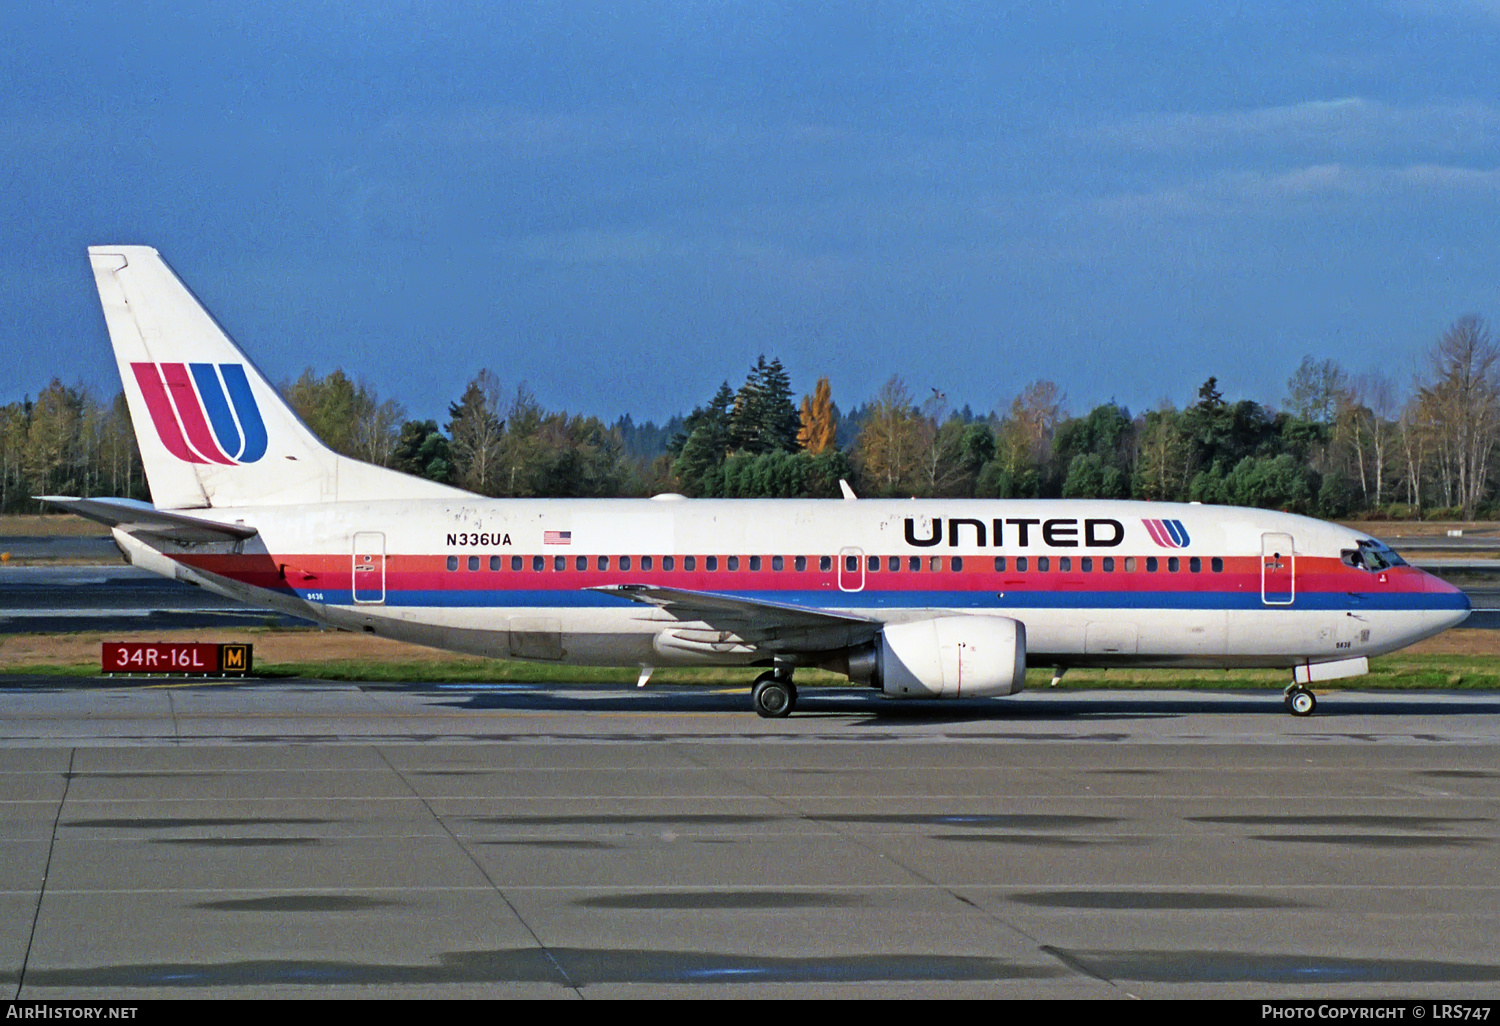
{"x": 645, "y": 562}
{"x": 754, "y": 563}
{"x": 999, "y": 564}
{"x": 1109, "y": 564}
{"x": 914, "y": 564}
{"x": 690, "y": 562}
{"x": 1130, "y": 564}
{"x": 711, "y": 563}
{"x": 1021, "y": 564}
{"x": 494, "y": 562}
{"x": 1087, "y": 563}
{"x": 559, "y": 562}
{"x": 956, "y": 564}
{"x": 1064, "y": 564}
{"x": 935, "y": 564}
{"x": 473, "y": 562}
{"x": 1195, "y": 565}
{"x": 851, "y": 563}
{"x": 732, "y": 563}
{"x": 825, "y": 563}
{"x": 799, "y": 563}
{"x": 1173, "y": 564}
{"x": 603, "y": 563}
{"x": 669, "y": 562}
{"x": 873, "y": 563}
{"x": 1043, "y": 564}
{"x": 538, "y": 563}
{"x": 515, "y": 562}
{"x": 1218, "y": 565}
{"x": 581, "y": 563}
{"x": 894, "y": 564}
{"x": 452, "y": 562}
{"x": 1151, "y": 564}
{"x": 624, "y": 562}
{"x": 778, "y": 563}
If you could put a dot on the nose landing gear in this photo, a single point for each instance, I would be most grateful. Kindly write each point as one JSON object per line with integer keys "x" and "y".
{"x": 1299, "y": 700}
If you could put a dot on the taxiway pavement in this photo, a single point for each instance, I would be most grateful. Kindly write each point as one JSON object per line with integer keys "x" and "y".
{"x": 310, "y": 839}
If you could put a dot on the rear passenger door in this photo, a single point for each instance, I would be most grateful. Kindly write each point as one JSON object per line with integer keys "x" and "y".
{"x": 368, "y": 585}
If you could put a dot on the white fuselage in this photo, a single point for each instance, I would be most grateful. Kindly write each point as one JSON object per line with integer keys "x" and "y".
{"x": 1094, "y": 582}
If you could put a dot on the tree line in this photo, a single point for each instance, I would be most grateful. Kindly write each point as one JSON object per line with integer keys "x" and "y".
{"x": 1338, "y": 445}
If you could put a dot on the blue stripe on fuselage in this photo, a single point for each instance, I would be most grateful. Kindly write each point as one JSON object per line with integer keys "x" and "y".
{"x": 876, "y": 600}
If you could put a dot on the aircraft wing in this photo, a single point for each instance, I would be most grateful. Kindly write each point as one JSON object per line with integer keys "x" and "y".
{"x": 140, "y": 518}
{"x": 771, "y": 626}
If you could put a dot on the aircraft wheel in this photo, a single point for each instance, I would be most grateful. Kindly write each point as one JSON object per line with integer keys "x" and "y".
{"x": 773, "y": 697}
{"x": 1300, "y": 702}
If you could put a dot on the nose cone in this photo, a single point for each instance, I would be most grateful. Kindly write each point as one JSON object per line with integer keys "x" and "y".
{"x": 1450, "y": 607}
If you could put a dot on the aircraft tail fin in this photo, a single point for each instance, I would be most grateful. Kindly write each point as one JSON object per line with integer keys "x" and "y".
{"x": 212, "y": 430}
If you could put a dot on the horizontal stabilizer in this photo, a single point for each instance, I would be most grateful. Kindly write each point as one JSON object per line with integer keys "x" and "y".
{"x": 140, "y": 518}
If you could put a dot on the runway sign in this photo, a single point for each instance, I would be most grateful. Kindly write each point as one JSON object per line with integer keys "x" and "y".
{"x": 171, "y": 657}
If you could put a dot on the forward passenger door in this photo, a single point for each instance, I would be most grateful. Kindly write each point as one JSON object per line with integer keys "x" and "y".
{"x": 1278, "y": 570}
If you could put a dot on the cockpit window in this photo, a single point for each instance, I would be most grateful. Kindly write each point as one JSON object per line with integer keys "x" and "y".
{"x": 1371, "y": 555}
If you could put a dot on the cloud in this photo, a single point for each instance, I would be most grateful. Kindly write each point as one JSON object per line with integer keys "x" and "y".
{"x": 1281, "y": 191}
{"x": 513, "y": 130}
{"x": 591, "y": 246}
{"x": 1346, "y": 125}
{"x": 1448, "y": 10}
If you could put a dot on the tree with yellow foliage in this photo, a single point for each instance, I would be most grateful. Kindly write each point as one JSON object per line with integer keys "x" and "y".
{"x": 818, "y": 420}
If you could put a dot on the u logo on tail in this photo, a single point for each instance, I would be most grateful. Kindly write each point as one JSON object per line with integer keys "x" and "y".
{"x": 203, "y": 412}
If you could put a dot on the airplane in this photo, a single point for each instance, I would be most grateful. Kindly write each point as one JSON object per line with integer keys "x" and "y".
{"x": 919, "y": 598}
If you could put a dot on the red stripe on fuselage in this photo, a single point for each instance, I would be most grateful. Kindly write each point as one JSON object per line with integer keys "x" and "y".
{"x": 1241, "y": 574}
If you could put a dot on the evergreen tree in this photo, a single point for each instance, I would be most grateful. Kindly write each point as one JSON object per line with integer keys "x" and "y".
{"x": 1163, "y": 457}
{"x": 422, "y": 451}
{"x": 704, "y": 443}
{"x": 348, "y": 417}
{"x": 477, "y": 432}
{"x": 326, "y": 405}
{"x": 763, "y": 418}
{"x": 50, "y": 456}
{"x": 1096, "y": 451}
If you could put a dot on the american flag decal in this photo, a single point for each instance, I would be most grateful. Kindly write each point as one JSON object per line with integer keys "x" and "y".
{"x": 557, "y": 538}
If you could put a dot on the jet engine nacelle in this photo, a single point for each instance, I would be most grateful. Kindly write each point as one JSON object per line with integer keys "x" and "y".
{"x": 948, "y": 657}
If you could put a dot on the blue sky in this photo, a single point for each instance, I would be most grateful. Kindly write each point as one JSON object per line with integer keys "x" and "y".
{"x": 624, "y": 204}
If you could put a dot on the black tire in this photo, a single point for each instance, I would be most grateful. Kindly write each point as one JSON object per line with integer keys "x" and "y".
{"x": 1300, "y": 702}
{"x": 773, "y": 697}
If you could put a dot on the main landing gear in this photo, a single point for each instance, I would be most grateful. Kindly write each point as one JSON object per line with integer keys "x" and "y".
{"x": 1299, "y": 700}
{"x": 774, "y": 695}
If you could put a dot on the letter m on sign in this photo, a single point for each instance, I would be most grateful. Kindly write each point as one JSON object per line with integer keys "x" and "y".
{"x": 234, "y": 659}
